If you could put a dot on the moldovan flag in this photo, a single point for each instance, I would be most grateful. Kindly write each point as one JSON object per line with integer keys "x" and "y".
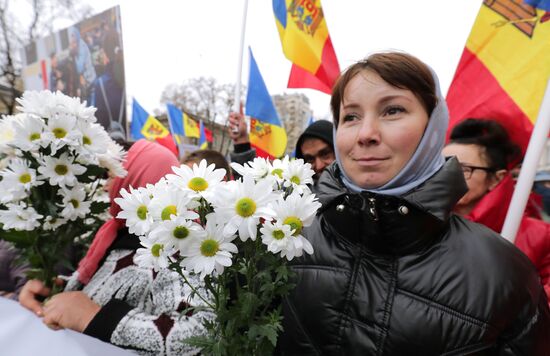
{"x": 139, "y": 117}
{"x": 153, "y": 129}
{"x": 203, "y": 142}
{"x": 504, "y": 68}
{"x": 306, "y": 42}
{"x": 181, "y": 123}
{"x": 267, "y": 134}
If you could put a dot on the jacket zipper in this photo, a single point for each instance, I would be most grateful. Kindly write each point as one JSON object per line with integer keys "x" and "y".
{"x": 372, "y": 208}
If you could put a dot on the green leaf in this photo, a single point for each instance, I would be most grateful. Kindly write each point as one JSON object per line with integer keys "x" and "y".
{"x": 21, "y": 239}
{"x": 98, "y": 207}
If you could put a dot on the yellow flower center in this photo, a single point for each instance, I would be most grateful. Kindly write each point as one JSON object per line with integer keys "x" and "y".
{"x": 180, "y": 232}
{"x": 156, "y": 249}
{"x": 59, "y": 132}
{"x": 75, "y": 203}
{"x": 295, "y": 180}
{"x": 61, "y": 169}
{"x": 168, "y": 211}
{"x": 141, "y": 212}
{"x": 25, "y": 178}
{"x": 245, "y": 207}
{"x": 277, "y": 172}
{"x": 209, "y": 247}
{"x": 34, "y": 136}
{"x": 278, "y": 234}
{"x": 295, "y": 224}
{"x": 198, "y": 184}
{"x": 86, "y": 140}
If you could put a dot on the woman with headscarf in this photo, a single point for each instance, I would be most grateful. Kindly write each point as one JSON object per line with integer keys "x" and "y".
{"x": 394, "y": 272}
{"x": 486, "y": 154}
{"x": 110, "y": 297}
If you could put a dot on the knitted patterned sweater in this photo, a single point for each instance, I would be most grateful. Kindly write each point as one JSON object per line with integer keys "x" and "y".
{"x": 141, "y": 309}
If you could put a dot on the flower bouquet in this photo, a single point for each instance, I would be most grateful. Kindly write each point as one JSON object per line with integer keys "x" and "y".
{"x": 235, "y": 235}
{"x": 54, "y": 159}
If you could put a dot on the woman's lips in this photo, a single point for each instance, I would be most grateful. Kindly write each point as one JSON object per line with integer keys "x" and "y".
{"x": 370, "y": 161}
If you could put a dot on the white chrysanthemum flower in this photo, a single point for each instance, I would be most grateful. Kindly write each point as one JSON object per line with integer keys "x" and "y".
{"x": 298, "y": 175}
{"x": 74, "y": 106}
{"x": 19, "y": 217}
{"x": 29, "y": 133}
{"x": 60, "y": 131}
{"x": 242, "y": 204}
{"x": 276, "y": 236}
{"x": 296, "y": 247}
{"x": 74, "y": 203}
{"x": 7, "y": 131}
{"x": 200, "y": 181}
{"x": 296, "y": 210}
{"x": 11, "y": 195}
{"x": 60, "y": 171}
{"x": 178, "y": 233}
{"x": 211, "y": 253}
{"x": 47, "y": 104}
{"x": 134, "y": 207}
{"x": 112, "y": 160}
{"x": 51, "y": 223}
{"x": 278, "y": 167}
{"x": 40, "y": 103}
{"x": 94, "y": 138}
{"x": 167, "y": 202}
{"x": 155, "y": 255}
{"x": 259, "y": 168}
{"x": 19, "y": 176}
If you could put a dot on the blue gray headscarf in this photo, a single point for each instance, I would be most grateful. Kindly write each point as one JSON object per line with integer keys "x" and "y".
{"x": 426, "y": 160}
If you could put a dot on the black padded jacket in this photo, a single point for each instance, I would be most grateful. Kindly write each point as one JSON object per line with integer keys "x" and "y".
{"x": 405, "y": 276}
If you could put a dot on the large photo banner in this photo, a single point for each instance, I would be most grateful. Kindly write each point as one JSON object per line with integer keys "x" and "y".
{"x": 84, "y": 60}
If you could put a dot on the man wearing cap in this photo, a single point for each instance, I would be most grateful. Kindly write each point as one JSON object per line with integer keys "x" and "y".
{"x": 315, "y": 145}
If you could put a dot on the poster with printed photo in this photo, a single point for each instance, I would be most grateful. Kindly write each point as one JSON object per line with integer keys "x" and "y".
{"x": 84, "y": 60}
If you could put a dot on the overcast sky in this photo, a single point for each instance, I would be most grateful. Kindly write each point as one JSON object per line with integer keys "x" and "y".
{"x": 169, "y": 41}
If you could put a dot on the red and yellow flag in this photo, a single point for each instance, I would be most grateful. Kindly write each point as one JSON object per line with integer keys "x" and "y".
{"x": 504, "y": 68}
{"x": 306, "y": 42}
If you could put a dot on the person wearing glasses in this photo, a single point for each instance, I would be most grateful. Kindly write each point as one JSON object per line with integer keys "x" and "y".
{"x": 314, "y": 146}
{"x": 486, "y": 153}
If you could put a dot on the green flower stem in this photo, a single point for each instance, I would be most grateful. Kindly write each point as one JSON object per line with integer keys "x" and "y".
{"x": 196, "y": 291}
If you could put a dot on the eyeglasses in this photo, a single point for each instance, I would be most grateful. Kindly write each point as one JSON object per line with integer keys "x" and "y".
{"x": 469, "y": 170}
{"x": 324, "y": 155}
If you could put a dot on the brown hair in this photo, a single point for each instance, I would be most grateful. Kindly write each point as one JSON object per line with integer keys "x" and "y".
{"x": 398, "y": 69}
{"x": 211, "y": 157}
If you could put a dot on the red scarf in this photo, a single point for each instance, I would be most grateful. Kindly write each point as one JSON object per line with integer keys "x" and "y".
{"x": 146, "y": 162}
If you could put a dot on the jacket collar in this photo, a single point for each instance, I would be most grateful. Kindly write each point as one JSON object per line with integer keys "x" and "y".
{"x": 391, "y": 225}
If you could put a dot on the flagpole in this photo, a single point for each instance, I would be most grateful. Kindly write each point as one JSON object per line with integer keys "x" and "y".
{"x": 528, "y": 169}
{"x": 237, "y": 96}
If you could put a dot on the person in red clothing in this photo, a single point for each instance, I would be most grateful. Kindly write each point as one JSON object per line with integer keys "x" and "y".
{"x": 486, "y": 152}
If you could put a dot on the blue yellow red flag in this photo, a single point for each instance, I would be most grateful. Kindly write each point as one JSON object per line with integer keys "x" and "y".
{"x": 176, "y": 121}
{"x": 504, "y": 68}
{"x": 190, "y": 127}
{"x": 267, "y": 133}
{"x": 154, "y": 129}
{"x": 139, "y": 117}
{"x": 306, "y": 42}
{"x": 181, "y": 123}
{"x": 203, "y": 143}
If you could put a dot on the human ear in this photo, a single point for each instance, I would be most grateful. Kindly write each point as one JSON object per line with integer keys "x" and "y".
{"x": 498, "y": 176}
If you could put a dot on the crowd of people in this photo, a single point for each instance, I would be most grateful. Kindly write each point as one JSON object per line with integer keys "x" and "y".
{"x": 407, "y": 257}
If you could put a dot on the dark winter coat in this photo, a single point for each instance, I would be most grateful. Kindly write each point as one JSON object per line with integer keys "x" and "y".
{"x": 404, "y": 276}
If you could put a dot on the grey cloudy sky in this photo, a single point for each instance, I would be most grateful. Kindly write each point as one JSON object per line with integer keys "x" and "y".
{"x": 168, "y": 41}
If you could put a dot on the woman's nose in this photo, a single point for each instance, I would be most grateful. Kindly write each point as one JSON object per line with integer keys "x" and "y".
{"x": 369, "y": 132}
